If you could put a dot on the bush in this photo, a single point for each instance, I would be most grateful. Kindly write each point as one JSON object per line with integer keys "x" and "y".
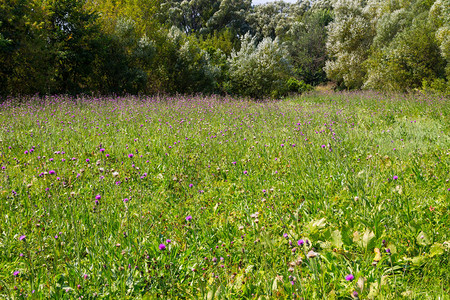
{"x": 259, "y": 70}
{"x": 294, "y": 85}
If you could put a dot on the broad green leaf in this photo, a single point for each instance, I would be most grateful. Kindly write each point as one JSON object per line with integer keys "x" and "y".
{"x": 436, "y": 249}
{"x": 336, "y": 238}
{"x": 423, "y": 239}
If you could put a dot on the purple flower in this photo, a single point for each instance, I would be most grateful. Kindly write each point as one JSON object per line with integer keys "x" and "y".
{"x": 245, "y": 172}
{"x": 285, "y": 235}
{"x": 102, "y": 150}
{"x": 87, "y": 160}
{"x": 98, "y": 197}
{"x": 51, "y": 172}
{"x": 349, "y": 277}
{"x": 162, "y": 247}
{"x": 395, "y": 177}
{"x": 130, "y": 155}
{"x": 168, "y": 241}
{"x": 16, "y": 273}
{"x": 188, "y": 218}
{"x": 22, "y": 237}
{"x": 300, "y": 242}
{"x": 125, "y": 200}
{"x": 191, "y": 185}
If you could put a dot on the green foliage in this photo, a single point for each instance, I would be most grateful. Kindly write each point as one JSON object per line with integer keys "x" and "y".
{"x": 122, "y": 46}
{"x": 299, "y": 86}
{"x": 259, "y": 69}
{"x": 306, "y": 42}
{"x": 410, "y": 56}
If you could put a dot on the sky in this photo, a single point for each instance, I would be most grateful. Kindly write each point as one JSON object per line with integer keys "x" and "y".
{"x": 265, "y": 1}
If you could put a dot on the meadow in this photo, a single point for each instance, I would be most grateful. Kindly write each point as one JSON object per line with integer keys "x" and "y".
{"x": 336, "y": 196}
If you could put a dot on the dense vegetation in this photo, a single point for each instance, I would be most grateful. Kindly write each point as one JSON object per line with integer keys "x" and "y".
{"x": 221, "y": 46}
{"x": 340, "y": 196}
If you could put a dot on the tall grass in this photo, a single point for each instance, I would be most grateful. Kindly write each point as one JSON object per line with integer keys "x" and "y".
{"x": 203, "y": 197}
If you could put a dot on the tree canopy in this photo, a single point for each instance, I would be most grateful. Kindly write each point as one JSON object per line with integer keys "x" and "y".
{"x": 222, "y": 46}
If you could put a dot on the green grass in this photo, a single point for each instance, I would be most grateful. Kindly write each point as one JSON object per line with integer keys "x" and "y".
{"x": 347, "y": 173}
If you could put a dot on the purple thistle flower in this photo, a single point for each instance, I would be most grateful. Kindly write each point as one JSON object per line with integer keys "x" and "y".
{"x": 87, "y": 160}
{"x": 300, "y": 242}
{"x": 102, "y": 150}
{"x": 162, "y": 247}
{"x": 168, "y": 241}
{"x": 22, "y": 237}
{"x": 16, "y": 273}
{"x": 395, "y": 177}
{"x": 349, "y": 277}
{"x": 125, "y": 200}
{"x": 51, "y": 172}
{"x": 130, "y": 155}
{"x": 245, "y": 172}
{"x": 98, "y": 197}
{"x": 285, "y": 235}
{"x": 191, "y": 185}
{"x": 188, "y": 218}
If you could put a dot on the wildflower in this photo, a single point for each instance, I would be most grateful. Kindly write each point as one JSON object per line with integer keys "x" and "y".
{"x": 102, "y": 150}
{"x": 312, "y": 254}
{"x": 98, "y": 197}
{"x": 395, "y": 177}
{"x": 285, "y": 235}
{"x": 349, "y": 277}
{"x": 22, "y": 237}
{"x": 51, "y": 172}
{"x": 130, "y": 155}
{"x": 162, "y": 247}
{"x": 125, "y": 200}
{"x": 245, "y": 172}
{"x": 188, "y": 218}
{"x": 300, "y": 242}
{"x": 168, "y": 241}
{"x": 16, "y": 273}
{"x": 87, "y": 160}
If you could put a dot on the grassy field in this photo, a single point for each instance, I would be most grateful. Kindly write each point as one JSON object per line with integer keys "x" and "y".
{"x": 321, "y": 196}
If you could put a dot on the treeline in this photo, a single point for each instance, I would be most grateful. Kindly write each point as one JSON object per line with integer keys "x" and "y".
{"x": 221, "y": 46}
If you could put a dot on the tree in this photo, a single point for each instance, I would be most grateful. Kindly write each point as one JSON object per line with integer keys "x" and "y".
{"x": 350, "y": 36}
{"x": 258, "y": 70}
